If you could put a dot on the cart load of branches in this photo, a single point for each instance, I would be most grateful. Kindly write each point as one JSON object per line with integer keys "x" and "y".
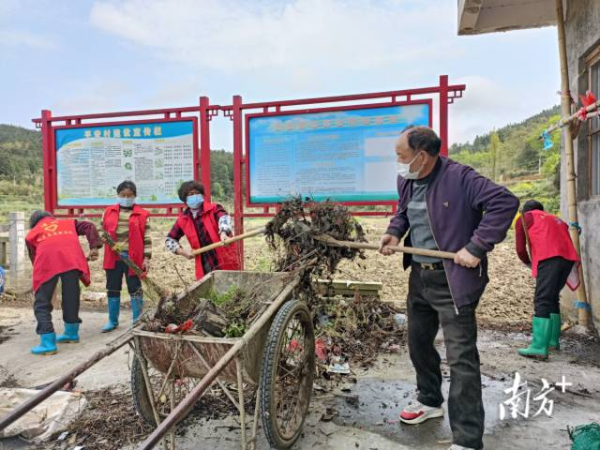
{"x": 292, "y": 236}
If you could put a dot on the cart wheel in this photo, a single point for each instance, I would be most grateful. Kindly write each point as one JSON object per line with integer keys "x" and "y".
{"x": 141, "y": 400}
{"x": 287, "y": 371}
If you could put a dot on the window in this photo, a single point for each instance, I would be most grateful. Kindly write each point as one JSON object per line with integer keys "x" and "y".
{"x": 593, "y": 63}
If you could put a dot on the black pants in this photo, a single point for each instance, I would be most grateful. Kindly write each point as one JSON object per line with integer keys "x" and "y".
{"x": 42, "y": 306}
{"x": 429, "y": 305}
{"x": 551, "y": 278}
{"x": 114, "y": 281}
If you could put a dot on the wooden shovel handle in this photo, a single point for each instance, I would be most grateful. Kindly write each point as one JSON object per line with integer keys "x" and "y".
{"x": 396, "y": 248}
{"x": 228, "y": 241}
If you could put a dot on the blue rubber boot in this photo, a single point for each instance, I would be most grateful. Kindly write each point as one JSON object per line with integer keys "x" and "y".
{"x": 137, "y": 305}
{"x": 71, "y": 334}
{"x": 114, "y": 307}
{"x": 47, "y": 345}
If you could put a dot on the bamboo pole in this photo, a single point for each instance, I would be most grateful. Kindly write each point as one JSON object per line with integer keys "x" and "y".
{"x": 187, "y": 403}
{"x": 396, "y": 248}
{"x": 565, "y": 104}
{"x": 229, "y": 241}
{"x": 57, "y": 384}
{"x": 567, "y": 120}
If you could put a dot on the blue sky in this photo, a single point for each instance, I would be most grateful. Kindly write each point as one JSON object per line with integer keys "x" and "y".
{"x": 95, "y": 56}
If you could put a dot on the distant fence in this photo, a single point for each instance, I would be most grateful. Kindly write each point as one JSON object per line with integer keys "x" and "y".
{"x": 12, "y": 251}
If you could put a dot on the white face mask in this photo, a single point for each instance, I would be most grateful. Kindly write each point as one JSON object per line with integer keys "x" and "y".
{"x": 404, "y": 169}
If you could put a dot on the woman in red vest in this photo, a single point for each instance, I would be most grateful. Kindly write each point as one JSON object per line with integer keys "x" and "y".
{"x": 203, "y": 223}
{"x": 55, "y": 252}
{"x": 553, "y": 257}
{"x": 128, "y": 225}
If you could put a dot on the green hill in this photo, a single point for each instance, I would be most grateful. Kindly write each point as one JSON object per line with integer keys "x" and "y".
{"x": 20, "y": 154}
{"x": 514, "y": 155}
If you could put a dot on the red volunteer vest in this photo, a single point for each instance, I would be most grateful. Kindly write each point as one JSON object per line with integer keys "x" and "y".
{"x": 57, "y": 250}
{"x": 548, "y": 237}
{"x": 227, "y": 256}
{"x": 137, "y": 231}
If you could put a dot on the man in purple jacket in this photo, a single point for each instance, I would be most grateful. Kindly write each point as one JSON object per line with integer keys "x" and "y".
{"x": 442, "y": 205}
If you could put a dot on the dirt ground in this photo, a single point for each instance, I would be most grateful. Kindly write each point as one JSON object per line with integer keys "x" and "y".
{"x": 362, "y": 411}
{"x": 508, "y": 297}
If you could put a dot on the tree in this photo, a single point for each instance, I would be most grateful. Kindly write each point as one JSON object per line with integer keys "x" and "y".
{"x": 494, "y": 152}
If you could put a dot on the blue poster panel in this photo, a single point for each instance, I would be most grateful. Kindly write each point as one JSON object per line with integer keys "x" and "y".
{"x": 345, "y": 156}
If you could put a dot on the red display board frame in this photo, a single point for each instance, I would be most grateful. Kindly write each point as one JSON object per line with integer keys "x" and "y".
{"x": 444, "y": 93}
{"x": 200, "y": 116}
{"x": 240, "y": 113}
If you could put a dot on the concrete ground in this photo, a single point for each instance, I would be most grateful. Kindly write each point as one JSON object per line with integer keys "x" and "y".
{"x": 365, "y": 413}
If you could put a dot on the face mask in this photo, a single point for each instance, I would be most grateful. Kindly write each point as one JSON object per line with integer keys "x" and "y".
{"x": 194, "y": 201}
{"x": 404, "y": 170}
{"x": 126, "y": 202}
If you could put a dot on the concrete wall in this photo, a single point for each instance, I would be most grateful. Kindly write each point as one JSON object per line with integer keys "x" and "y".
{"x": 583, "y": 35}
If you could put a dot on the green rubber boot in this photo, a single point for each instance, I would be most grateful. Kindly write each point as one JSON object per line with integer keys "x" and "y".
{"x": 555, "y": 325}
{"x": 539, "y": 341}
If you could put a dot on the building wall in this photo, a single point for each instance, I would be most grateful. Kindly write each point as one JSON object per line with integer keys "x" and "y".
{"x": 583, "y": 35}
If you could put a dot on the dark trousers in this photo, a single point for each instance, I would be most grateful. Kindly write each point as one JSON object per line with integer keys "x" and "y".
{"x": 429, "y": 305}
{"x": 42, "y": 306}
{"x": 114, "y": 281}
{"x": 551, "y": 278}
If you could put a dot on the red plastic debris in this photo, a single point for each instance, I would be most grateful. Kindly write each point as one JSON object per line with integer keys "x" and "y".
{"x": 586, "y": 100}
{"x": 321, "y": 349}
{"x": 185, "y": 326}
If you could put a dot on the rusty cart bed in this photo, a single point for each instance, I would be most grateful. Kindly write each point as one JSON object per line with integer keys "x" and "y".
{"x": 275, "y": 355}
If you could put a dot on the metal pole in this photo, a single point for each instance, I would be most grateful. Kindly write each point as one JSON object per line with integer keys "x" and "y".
{"x": 444, "y": 113}
{"x": 238, "y": 195}
{"x": 239, "y": 367}
{"x": 582, "y": 303}
{"x": 205, "y": 146}
{"x": 46, "y": 154}
{"x": 255, "y": 423}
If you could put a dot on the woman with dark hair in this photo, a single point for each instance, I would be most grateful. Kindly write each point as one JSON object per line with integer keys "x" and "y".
{"x": 203, "y": 223}
{"x": 128, "y": 225}
{"x": 552, "y": 259}
{"x": 55, "y": 252}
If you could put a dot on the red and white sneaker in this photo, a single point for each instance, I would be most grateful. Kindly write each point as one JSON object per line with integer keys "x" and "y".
{"x": 416, "y": 412}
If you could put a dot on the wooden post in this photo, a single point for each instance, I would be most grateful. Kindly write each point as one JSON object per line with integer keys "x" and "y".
{"x": 16, "y": 252}
{"x": 582, "y": 303}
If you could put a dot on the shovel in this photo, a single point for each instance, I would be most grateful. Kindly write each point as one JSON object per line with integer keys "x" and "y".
{"x": 229, "y": 241}
{"x": 396, "y": 248}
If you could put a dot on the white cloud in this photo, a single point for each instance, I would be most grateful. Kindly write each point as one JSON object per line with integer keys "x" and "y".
{"x": 308, "y": 35}
{"x": 487, "y": 104}
{"x": 91, "y": 96}
{"x": 299, "y": 48}
{"x": 17, "y": 38}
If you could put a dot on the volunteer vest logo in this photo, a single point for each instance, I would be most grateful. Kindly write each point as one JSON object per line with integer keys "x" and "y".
{"x": 53, "y": 228}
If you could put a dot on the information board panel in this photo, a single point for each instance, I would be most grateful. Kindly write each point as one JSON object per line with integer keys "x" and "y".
{"x": 92, "y": 160}
{"x": 344, "y": 155}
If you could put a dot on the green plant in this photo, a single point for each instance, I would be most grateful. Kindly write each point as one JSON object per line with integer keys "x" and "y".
{"x": 225, "y": 297}
{"x": 235, "y": 329}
